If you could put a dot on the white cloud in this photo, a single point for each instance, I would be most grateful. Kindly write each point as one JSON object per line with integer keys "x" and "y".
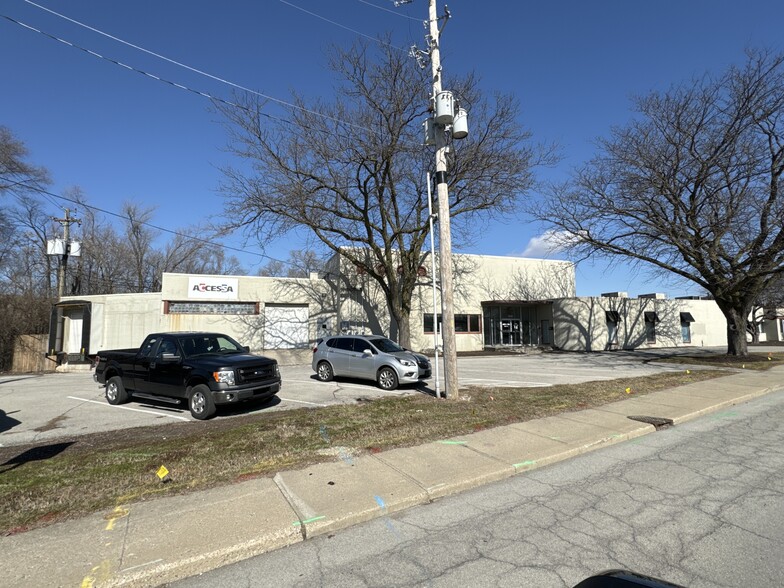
{"x": 547, "y": 244}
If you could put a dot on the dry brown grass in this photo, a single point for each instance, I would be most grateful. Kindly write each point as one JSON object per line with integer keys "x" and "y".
{"x": 40, "y": 485}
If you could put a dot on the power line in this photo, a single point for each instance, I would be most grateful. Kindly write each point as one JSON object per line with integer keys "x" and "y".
{"x": 390, "y": 11}
{"x": 342, "y": 26}
{"x": 200, "y": 92}
{"x": 172, "y": 61}
{"x": 156, "y": 227}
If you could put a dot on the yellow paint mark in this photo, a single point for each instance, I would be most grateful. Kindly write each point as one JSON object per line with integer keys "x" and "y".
{"x": 97, "y": 574}
{"x": 688, "y": 371}
{"x": 628, "y": 390}
{"x": 119, "y": 512}
{"x": 162, "y": 472}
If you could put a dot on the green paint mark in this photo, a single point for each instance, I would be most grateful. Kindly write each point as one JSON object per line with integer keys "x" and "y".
{"x": 453, "y": 442}
{"x": 725, "y": 415}
{"x": 299, "y": 523}
{"x": 525, "y": 464}
{"x": 555, "y": 438}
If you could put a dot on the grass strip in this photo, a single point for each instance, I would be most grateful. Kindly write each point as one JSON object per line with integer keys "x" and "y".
{"x": 44, "y": 484}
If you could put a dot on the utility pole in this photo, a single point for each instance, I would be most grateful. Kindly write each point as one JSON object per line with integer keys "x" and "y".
{"x": 446, "y": 115}
{"x": 444, "y": 227}
{"x": 61, "y": 268}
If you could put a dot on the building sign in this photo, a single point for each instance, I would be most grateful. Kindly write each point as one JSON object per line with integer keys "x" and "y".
{"x": 213, "y": 288}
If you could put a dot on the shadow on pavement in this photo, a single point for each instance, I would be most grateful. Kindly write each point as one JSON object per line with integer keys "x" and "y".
{"x": 39, "y": 453}
{"x": 6, "y": 422}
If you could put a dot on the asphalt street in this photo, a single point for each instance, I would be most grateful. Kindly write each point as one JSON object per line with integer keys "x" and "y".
{"x": 47, "y": 407}
{"x": 700, "y": 504}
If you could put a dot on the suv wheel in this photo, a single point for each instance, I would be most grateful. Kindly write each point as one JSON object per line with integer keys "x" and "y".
{"x": 200, "y": 402}
{"x": 324, "y": 371}
{"x": 387, "y": 378}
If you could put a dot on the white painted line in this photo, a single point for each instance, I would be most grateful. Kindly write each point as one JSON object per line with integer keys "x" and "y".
{"x": 149, "y": 563}
{"x": 301, "y": 401}
{"x": 171, "y": 416}
{"x": 505, "y": 382}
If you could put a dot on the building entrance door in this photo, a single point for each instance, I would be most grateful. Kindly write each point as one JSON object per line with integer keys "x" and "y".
{"x": 510, "y": 331}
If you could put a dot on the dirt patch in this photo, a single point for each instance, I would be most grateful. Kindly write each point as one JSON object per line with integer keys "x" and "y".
{"x": 52, "y": 424}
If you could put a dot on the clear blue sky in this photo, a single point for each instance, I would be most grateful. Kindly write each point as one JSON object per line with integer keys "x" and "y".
{"x": 122, "y": 136}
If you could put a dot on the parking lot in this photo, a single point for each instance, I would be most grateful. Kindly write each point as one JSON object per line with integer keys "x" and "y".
{"x": 40, "y": 408}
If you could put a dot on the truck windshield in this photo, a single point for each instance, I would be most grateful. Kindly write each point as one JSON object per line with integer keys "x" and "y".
{"x": 203, "y": 344}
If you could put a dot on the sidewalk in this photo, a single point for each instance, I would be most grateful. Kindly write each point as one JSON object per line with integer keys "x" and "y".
{"x": 150, "y": 543}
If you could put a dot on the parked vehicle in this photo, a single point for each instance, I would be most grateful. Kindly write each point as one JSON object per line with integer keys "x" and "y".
{"x": 370, "y": 358}
{"x": 206, "y": 369}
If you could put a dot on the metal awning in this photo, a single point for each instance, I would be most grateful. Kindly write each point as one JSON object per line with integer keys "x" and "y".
{"x": 651, "y": 317}
{"x": 687, "y": 318}
{"x": 613, "y": 316}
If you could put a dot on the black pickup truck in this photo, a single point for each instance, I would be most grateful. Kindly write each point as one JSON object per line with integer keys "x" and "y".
{"x": 206, "y": 369}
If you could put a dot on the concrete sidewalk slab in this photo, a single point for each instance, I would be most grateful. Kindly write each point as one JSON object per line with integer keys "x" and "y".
{"x": 580, "y": 435}
{"x": 646, "y": 407}
{"x": 173, "y": 538}
{"x": 72, "y": 553}
{"x": 519, "y": 449}
{"x": 620, "y": 423}
{"x": 724, "y": 389}
{"x": 446, "y": 467}
{"x": 332, "y": 496}
{"x": 697, "y": 405}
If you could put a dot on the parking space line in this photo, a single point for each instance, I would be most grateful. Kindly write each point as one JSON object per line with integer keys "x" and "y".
{"x": 301, "y": 401}
{"x": 506, "y": 382}
{"x": 171, "y": 416}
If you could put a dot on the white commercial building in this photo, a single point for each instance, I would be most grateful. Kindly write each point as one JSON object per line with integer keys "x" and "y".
{"x": 499, "y": 302}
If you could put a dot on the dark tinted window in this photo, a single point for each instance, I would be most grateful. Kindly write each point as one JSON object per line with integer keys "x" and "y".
{"x": 331, "y": 342}
{"x": 385, "y": 345}
{"x": 345, "y": 343}
{"x": 167, "y": 346}
{"x": 147, "y": 350}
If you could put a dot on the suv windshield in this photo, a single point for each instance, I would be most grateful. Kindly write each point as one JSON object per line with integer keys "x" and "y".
{"x": 385, "y": 345}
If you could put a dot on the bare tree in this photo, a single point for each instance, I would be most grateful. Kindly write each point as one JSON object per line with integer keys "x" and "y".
{"x": 16, "y": 175}
{"x": 352, "y": 171}
{"x": 692, "y": 186}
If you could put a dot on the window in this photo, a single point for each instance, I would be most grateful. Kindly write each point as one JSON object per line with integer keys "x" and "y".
{"x": 651, "y": 318}
{"x": 167, "y": 346}
{"x": 146, "y": 351}
{"x": 464, "y": 323}
{"x": 686, "y": 320}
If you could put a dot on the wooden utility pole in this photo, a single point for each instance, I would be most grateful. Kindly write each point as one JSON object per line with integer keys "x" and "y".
{"x": 66, "y": 222}
{"x": 444, "y": 228}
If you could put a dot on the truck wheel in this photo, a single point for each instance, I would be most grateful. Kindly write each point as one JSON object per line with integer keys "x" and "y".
{"x": 115, "y": 391}
{"x": 324, "y": 371}
{"x": 200, "y": 402}
{"x": 387, "y": 378}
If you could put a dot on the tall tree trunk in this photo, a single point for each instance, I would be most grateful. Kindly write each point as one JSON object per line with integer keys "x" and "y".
{"x": 736, "y": 331}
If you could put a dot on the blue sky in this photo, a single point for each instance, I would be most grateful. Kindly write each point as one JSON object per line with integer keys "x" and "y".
{"x": 121, "y": 136}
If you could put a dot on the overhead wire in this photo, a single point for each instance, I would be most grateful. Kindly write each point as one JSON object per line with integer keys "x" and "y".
{"x": 390, "y": 11}
{"x": 195, "y": 91}
{"x": 44, "y": 192}
{"x": 174, "y": 62}
{"x": 342, "y": 26}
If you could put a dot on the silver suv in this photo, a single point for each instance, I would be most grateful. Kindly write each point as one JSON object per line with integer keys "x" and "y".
{"x": 370, "y": 357}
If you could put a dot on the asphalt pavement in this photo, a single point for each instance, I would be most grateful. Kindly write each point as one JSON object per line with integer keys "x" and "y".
{"x": 58, "y": 406}
{"x": 159, "y": 541}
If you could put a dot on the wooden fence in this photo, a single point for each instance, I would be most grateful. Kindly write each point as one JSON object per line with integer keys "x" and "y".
{"x": 30, "y": 355}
